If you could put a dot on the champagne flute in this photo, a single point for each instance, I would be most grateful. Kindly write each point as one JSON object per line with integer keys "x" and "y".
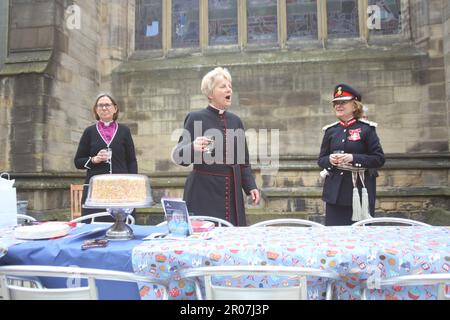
{"x": 109, "y": 151}
{"x": 210, "y": 147}
{"x": 109, "y": 161}
{"x": 337, "y": 153}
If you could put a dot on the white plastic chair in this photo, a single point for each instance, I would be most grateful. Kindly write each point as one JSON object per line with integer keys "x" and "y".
{"x": 215, "y": 292}
{"x": 92, "y": 216}
{"x": 218, "y": 221}
{"x": 293, "y": 221}
{"x": 440, "y": 279}
{"x": 21, "y": 282}
{"x": 89, "y": 292}
{"x": 390, "y": 220}
{"x": 25, "y": 217}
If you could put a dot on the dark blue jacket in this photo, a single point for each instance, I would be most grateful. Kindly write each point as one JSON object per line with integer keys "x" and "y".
{"x": 361, "y": 140}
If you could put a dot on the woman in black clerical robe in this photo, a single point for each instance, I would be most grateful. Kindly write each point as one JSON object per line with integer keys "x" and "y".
{"x": 213, "y": 141}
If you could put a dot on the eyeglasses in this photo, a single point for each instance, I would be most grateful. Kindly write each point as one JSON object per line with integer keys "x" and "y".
{"x": 101, "y": 106}
{"x": 339, "y": 103}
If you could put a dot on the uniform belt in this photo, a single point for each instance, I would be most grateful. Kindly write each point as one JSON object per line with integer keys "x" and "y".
{"x": 351, "y": 168}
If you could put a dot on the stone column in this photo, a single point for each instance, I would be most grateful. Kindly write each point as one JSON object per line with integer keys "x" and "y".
{"x": 3, "y": 30}
{"x": 47, "y": 87}
{"x": 427, "y": 29}
{"x": 4, "y": 110}
{"x": 116, "y": 28}
{"x": 25, "y": 84}
{"x": 446, "y": 23}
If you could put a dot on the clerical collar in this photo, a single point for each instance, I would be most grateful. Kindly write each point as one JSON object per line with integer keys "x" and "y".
{"x": 106, "y": 123}
{"x": 348, "y": 123}
{"x": 221, "y": 111}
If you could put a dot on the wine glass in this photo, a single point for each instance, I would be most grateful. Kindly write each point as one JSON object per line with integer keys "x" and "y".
{"x": 109, "y": 151}
{"x": 210, "y": 147}
{"x": 337, "y": 153}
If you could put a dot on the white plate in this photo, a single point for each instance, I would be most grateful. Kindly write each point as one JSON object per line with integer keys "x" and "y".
{"x": 45, "y": 230}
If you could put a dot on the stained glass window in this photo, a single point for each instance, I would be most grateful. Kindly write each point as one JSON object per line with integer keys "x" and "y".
{"x": 185, "y": 23}
{"x": 262, "y": 21}
{"x": 222, "y": 22}
{"x": 301, "y": 19}
{"x": 389, "y": 12}
{"x": 342, "y": 18}
{"x": 148, "y": 32}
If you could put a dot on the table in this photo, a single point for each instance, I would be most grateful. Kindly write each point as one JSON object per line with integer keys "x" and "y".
{"x": 66, "y": 251}
{"x": 356, "y": 253}
{"x": 7, "y": 239}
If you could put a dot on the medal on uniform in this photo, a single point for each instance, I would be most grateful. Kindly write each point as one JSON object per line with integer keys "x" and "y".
{"x": 354, "y": 134}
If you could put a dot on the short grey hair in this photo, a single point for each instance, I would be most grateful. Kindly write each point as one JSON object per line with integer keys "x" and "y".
{"x": 210, "y": 79}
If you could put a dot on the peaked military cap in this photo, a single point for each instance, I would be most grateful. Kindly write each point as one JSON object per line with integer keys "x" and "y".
{"x": 345, "y": 92}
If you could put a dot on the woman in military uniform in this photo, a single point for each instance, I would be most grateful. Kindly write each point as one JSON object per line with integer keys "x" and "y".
{"x": 350, "y": 148}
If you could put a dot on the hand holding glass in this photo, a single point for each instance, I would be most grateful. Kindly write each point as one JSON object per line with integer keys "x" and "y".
{"x": 210, "y": 147}
{"x": 336, "y": 156}
{"x": 109, "y": 151}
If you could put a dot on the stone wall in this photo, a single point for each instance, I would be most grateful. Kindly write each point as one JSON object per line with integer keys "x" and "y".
{"x": 75, "y": 85}
{"x": 116, "y": 34}
{"x": 289, "y": 92}
{"x": 47, "y": 87}
{"x": 24, "y": 87}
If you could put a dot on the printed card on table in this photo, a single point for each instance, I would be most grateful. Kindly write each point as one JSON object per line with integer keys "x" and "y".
{"x": 177, "y": 217}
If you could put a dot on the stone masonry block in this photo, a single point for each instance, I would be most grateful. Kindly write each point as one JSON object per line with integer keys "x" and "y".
{"x": 407, "y": 94}
{"x": 27, "y": 14}
{"x": 435, "y": 107}
{"x": 435, "y": 178}
{"x": 437, "y": 92}
{"x": 372, "y": 95}
{"x": 387, "y": 205}
{"x": 406, "y": 180}
{"x": 403, "y": 206}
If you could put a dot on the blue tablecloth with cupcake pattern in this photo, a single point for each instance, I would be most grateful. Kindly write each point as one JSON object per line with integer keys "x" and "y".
{"x": 357, "y": 254}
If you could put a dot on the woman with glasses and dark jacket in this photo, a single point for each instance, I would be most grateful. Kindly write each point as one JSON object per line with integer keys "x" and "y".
{"x": 106, "y": 146}
{"x": 350, "y": 155}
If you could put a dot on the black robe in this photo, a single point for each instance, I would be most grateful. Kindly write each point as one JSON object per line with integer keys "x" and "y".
{"x": 214, "y": 187}
{"x": 123, "y": 156}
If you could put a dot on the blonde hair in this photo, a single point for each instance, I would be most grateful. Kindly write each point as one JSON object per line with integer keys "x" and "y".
{"x": 113, "y": 101}
{"x": 209, "y": 80}
{"x": 358, "y": 109}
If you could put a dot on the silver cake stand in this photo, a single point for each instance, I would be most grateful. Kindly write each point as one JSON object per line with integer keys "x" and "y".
{"x": 119, "y": 211}
{"x": 120, "y": 230}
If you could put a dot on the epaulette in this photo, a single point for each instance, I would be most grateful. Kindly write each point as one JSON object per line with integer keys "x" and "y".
{"x": 330, "y": 125}
{"x": 370, "y": 123}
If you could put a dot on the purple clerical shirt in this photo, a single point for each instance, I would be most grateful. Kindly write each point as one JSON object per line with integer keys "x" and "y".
{"x": 107, "y": 132}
